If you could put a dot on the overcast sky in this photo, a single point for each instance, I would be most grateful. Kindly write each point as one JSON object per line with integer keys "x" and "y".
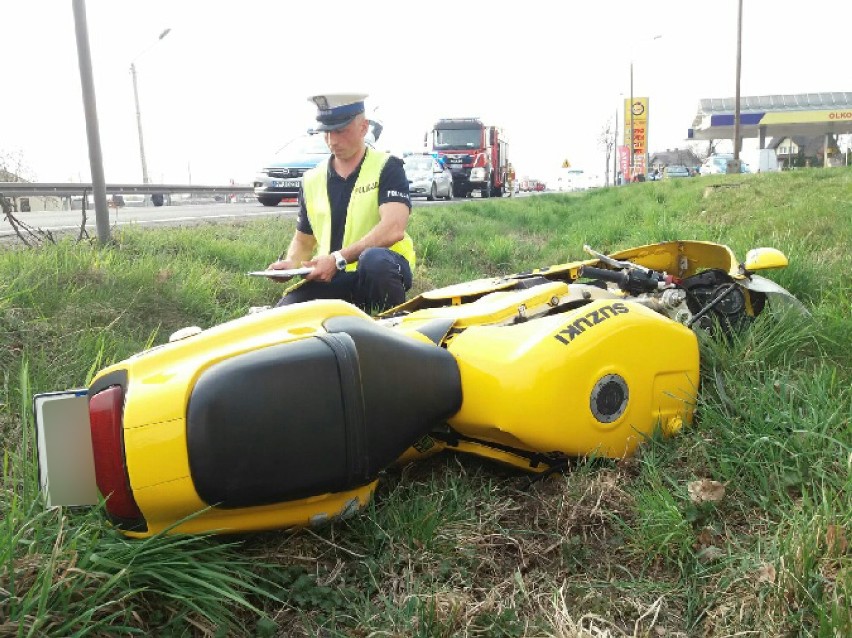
{"x": 228, "y": 85}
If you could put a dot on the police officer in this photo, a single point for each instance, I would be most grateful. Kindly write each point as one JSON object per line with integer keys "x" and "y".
{"x": 353, "y": 212}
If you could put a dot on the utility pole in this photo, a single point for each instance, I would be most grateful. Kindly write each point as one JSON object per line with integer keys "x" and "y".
{"x": 90, "y": 108}
{"x": 737, "y": 92}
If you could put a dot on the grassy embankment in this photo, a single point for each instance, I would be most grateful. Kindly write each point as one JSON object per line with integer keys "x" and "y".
{"x": 455, "y": 546}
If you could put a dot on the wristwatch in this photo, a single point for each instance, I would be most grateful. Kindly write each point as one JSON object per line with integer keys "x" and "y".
{"x": 339, "y": 260}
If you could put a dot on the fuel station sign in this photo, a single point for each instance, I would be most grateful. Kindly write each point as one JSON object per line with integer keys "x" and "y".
{"x": 639, "y": 108}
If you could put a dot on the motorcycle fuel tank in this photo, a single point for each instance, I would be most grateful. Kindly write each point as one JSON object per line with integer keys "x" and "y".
{"x": 595, "y": 380}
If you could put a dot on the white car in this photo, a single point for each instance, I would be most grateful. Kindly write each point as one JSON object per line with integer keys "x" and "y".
{"x": 428, "y": 177}
{"x": 718, "y": 164}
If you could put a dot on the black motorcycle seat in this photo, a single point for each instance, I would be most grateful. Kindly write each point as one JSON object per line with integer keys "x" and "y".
{"x": 322, "y": 414}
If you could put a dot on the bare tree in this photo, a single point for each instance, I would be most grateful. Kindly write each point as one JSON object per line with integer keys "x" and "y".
{"x": 14, "y": 169}
{"x": 606, "y": 141}
{"x": 703, "y": 151}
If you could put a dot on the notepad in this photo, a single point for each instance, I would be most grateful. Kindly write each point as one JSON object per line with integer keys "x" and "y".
{"x": 289, "y": 272}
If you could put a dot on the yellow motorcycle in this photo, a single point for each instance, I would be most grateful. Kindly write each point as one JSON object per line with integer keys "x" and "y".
{"x": 288, "y": 416}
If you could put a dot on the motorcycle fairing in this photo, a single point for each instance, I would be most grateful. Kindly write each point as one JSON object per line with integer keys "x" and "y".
{"x": 679, "y": 258}
{"x": 682, "y": 258}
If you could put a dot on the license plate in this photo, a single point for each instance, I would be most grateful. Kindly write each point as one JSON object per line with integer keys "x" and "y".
{"x": 286, "y": 183}
{"x": 66, "y": 462}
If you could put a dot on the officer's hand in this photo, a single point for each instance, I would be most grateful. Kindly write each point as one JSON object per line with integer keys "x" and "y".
{"x": 282, "y": 264}
{"x": 324, "y": 268}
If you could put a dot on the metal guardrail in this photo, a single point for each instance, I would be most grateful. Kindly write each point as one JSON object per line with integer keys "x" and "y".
{"x": 61, "y": 189}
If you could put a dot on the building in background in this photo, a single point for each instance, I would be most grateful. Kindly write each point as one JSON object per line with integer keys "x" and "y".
{"x": 673, "y": 157}
{"x": 798, "y": 151}
{"x": 792, "y": 117}
{"x": 27, "y": 204}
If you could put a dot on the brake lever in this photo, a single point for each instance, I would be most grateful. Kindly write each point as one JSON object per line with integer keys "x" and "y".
{"x": 609, "y": 261}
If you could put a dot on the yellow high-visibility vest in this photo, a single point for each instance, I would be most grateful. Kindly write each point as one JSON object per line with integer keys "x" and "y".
{"x": 363, "y": 211}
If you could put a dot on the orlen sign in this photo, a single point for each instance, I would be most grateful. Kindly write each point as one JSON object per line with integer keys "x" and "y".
{"x": 808, "y": 117}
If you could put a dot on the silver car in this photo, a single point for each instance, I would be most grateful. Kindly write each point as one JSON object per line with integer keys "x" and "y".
{"x": 670, "y": 172}
{"x": 427, "y": 177}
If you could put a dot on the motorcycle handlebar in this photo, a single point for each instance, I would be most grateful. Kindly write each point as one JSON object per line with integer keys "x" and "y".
{"x": 617, "y": 277}
{"x": 632, "y": 281}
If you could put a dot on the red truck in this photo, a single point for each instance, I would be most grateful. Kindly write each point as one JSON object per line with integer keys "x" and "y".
{"x": 476, "y": 154}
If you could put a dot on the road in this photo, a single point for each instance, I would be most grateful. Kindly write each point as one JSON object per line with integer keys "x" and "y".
{"x": 69, "y": 221}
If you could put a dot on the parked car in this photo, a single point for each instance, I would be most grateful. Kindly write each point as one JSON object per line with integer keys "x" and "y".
{"x": 718, "y": 164}
{"x": 670, "y": 172}
{"x": 427, "y": 177}
{"x": 281, "y": 178}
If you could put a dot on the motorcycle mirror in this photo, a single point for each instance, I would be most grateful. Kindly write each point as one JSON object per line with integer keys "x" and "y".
{"x": 764, "y": 258}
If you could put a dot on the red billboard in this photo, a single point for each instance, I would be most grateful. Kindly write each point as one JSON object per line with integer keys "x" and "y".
{"x": 624, "y": 161}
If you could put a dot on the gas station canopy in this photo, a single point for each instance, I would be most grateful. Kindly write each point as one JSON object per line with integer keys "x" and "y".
{"x": 774, "y": 115}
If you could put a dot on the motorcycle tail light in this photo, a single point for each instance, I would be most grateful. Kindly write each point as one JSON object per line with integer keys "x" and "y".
{"x": 106, "y": 410}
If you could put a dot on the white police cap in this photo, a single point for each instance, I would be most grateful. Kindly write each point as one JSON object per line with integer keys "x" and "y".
{"x": 336, "y": 110}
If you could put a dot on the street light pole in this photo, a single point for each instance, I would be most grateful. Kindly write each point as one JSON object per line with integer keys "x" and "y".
{"x": 139, "y": 124}
{"x": 615, "y": 148}
{"x": 145, "y": 179}
{"x": 632, "y": 135}
{"x": 632, "y": 145}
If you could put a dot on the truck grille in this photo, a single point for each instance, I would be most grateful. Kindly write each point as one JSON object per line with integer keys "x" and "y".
{"x": 457, "y": 160}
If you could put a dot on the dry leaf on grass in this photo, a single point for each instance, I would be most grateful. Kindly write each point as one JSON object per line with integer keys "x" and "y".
{"x": 704, "y": 538}
{"x": 710, "y": 554}
{"x": 706, "y": 491}
{"x": 835, "y": 539}
{"x": 766, "y": 573}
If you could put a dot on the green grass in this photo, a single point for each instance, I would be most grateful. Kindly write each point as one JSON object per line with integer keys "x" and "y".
{"x": 456, "y": 546}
